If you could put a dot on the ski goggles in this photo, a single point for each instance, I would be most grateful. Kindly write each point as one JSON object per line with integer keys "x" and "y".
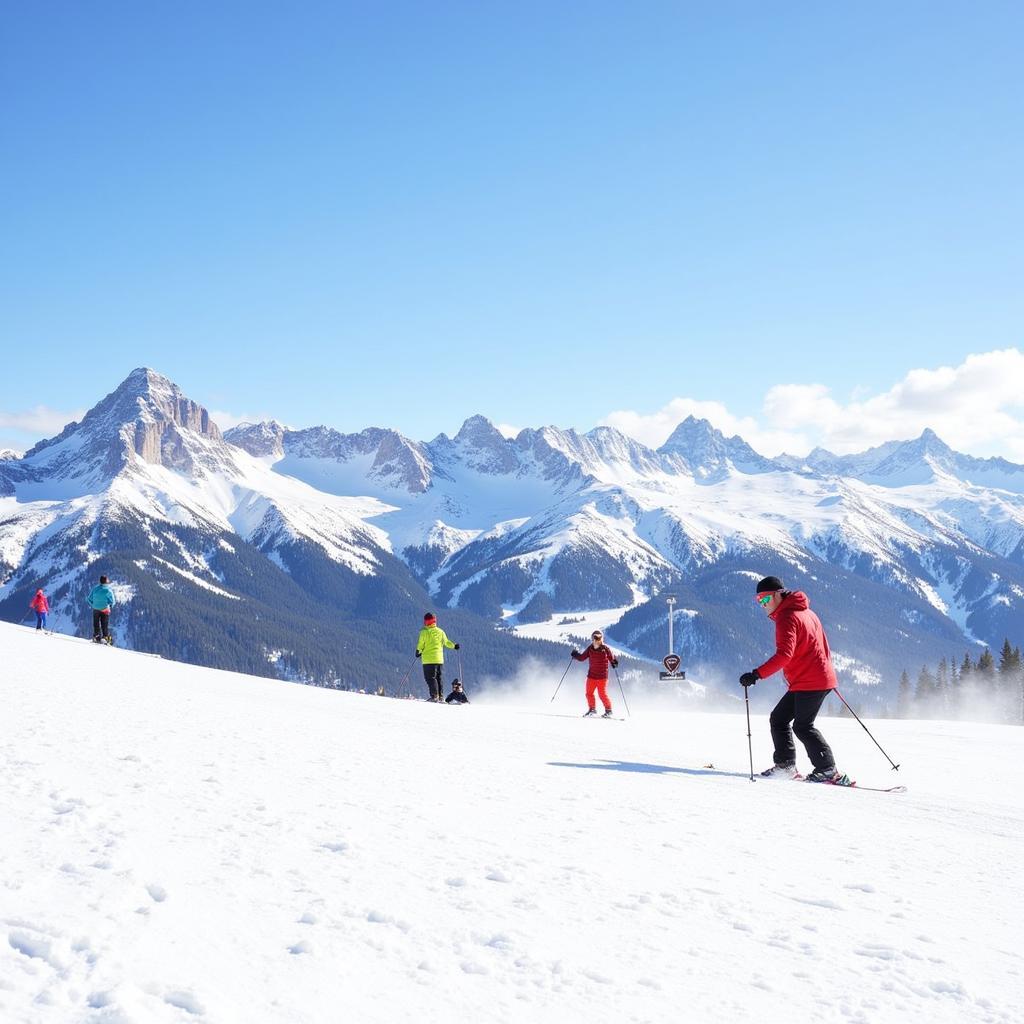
{"x": 765, "y": 599}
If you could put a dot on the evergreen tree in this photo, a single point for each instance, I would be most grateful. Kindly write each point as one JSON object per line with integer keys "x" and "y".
{"x": 966, "y": 668}
{"x": 942, "y": 689}
{"x": 925, "y": 692}
{"x": 1009, "y": 660}
{"x": 953, "y": 700}
{"x": 1010, "y": 682}
{"x": 904, "y": 697}
{"x": 986, "y": 670}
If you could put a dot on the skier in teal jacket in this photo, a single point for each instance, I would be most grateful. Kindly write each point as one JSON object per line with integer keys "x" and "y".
{"x": 101, "y": 600}
{"x": 430, "y": 647}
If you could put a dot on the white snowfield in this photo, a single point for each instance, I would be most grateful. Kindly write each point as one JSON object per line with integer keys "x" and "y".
{"x": 186, "y": 845}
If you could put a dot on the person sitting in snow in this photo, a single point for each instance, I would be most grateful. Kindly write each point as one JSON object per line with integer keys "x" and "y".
{"x": 457, "y": 696}
{"x": 40, "y": 606}
{"x": 600, "y": 657}
{"x": 430, "y": 647}
{"x": 801, "y": 651}
{"x": 101, "y": 600}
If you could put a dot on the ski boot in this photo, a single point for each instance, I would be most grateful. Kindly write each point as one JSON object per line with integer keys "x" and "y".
{"x": 591, "y": 713}
{"x": 781, "y": 771}
{"x": 607, "y": 714}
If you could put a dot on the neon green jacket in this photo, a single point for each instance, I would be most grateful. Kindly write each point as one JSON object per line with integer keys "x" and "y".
{"x": 431, "y": 645}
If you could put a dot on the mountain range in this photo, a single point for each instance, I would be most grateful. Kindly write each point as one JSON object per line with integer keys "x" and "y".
{"x": 311, "y": 553}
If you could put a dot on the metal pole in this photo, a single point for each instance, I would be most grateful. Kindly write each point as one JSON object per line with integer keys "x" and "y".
{"x": 750, "y": 744}
{"x": 895, "y": 767}
{"x": 560, "y": 681}
{"x": 405, "y": 678}
{"x": 621, "y": 690}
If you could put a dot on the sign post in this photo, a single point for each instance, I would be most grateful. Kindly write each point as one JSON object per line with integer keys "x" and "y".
{"x": 671, "y": 661}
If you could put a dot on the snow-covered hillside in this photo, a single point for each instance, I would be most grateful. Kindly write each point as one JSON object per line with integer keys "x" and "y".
{"x": 230, "y": 549}
{"x": 182, "y": 844}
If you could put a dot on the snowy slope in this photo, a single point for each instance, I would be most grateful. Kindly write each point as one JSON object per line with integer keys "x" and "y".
{"x": 184, "y": 845}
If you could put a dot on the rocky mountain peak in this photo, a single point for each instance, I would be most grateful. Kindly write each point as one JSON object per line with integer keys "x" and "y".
{"x": 259, "y": 439}
{"x": 709, "y": 452}
{"x": 486, "y": 448}
{"x": 146, "y": 417}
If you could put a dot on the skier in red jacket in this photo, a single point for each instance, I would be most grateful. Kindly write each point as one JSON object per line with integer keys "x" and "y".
{"x": 600, "y": 657}
{"x": 41, "y": 607}
{"x": 801, "y": 651}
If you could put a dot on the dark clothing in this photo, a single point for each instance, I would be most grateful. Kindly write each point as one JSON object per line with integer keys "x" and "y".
{"x": 432, "y": 674}
{"x": 600, "y": 658}
{"x": 40, "y": 620}
{"x": 456, "y": 697}
{"x": 800, "y": 707}
{"x": 100, "y": 625}
{"x": 801, "y": 647}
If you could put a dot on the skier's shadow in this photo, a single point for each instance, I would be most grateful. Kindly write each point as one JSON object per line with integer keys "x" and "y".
{"x": 647, "y": 769}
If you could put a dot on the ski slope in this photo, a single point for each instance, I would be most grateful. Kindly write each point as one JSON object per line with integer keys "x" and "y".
{"x": 187, "y": 845}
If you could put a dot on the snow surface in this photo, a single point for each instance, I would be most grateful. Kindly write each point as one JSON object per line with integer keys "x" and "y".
{"x": 182, "y": 844}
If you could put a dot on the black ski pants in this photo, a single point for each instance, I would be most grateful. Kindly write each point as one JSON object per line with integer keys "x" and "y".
{"x": 800, "y": 707}
{"x": 432, "y": 674}
{"x": 100, "y": 624}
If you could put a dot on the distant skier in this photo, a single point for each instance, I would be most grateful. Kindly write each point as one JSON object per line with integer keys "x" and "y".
{"x": 600, "y": 657}
{"x": 430, "y": 647}
{"x": 41, "y": 607}
{"x": 457, "y": 696}
{"x": 101, "y": 600}
{"x": 801, "y": 651}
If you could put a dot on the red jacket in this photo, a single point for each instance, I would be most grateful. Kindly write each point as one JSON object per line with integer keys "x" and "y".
{"x": 599, "y": 657}
{"x": 801, "y": 647}
{"x": 39, "y": 602}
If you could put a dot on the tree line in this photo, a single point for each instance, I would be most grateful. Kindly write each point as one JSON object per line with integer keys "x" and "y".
{"x": 981, "y": 690}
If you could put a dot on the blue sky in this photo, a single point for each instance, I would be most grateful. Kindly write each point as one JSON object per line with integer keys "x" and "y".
{"x": 403, "y": 214}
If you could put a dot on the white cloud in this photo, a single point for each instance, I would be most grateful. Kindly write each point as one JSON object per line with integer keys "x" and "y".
{"x": 507, "y": 430}
{"x": 654, "y": 429}
{"x": 40, "y": 421}
{"x": 976, "y": 407}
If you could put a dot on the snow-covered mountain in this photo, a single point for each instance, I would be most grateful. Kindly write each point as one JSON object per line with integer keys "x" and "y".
{"x": 911, "y": 551}
{"x": 217, "y": 557}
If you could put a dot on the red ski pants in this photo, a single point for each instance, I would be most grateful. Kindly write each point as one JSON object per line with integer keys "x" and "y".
{"x": 601, "y": 686}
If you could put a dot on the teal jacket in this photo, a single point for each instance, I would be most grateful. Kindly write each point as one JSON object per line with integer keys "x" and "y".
{"x": 101, "y": 597}
{"x": 431, "y": 645}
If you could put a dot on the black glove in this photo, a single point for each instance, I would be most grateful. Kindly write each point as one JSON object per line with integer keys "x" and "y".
{"x": 615, "y": 662}
{"x": 456, "y": 647}
{"x": 573, "y": 653}
{"x": 749, "y": 678}
{"x": 417, "y": 654}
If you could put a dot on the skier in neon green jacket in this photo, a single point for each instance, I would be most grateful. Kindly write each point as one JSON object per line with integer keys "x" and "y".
{"x": 430, "y": 647}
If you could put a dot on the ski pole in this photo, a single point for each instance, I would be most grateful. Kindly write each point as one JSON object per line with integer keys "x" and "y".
{"x": 560, "y": 681}
{"x": 405, "y": 678}
{"x": 461, "y": 676}
{"x": 750, "y": 744}
{"x": 621, "y": 690}
{"x": 895, "y": 767}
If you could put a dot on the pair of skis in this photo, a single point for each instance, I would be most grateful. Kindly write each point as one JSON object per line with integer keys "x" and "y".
{"x": 845, "y": 782}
